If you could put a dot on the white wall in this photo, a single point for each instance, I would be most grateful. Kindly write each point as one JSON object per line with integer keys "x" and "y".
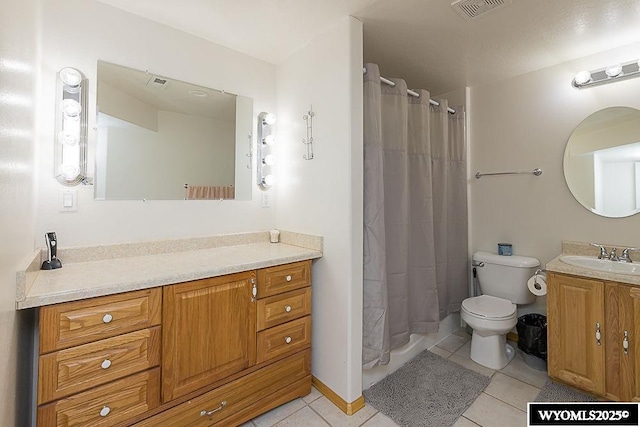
{"x": 324, "y": 196}
{"x": 18, "y": 98}
{"x": 524, "y": 123}
{"x": 102, "y": 32}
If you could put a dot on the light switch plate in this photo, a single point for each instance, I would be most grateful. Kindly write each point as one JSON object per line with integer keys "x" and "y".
{"x": 68, "y": 200}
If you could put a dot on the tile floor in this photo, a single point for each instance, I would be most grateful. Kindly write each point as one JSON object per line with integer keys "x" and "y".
{"x": 503, "y": 402}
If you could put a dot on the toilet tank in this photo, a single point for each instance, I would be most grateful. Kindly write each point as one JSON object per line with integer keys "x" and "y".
{"x": 506, "y": 276}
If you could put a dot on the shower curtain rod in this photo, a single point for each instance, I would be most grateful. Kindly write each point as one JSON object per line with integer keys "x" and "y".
{"x": 409, "y": 91}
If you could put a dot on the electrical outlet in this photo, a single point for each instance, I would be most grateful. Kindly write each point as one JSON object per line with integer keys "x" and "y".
{"x": 266, "y": 199}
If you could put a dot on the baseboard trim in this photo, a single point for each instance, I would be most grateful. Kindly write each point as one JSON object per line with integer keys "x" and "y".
{"x": 343, "y": 405}
{"x": 512, "y": 336}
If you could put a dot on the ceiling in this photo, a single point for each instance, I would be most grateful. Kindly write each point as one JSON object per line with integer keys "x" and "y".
{"x": 423, "y": 41}
{"x": 175, "y": 95}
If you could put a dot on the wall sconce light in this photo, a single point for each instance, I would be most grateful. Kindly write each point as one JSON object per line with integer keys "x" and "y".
{"x": 265, "y": 159}
{"x": 609, "y": 74}
{"x": 71, "y": 128}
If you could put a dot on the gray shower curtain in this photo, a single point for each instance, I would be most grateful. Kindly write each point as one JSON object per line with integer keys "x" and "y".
{"x": 415, "y": 215}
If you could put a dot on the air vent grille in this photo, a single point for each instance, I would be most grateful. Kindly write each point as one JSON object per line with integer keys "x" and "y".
{"x": 471, "y": 9}
{"x": 158, "y": 82}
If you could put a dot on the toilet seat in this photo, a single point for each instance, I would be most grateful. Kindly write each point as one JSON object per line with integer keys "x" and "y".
{"x": 488, "y": 307}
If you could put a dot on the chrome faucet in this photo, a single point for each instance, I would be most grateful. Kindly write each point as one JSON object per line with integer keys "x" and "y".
{"x": 625, "y": 254}
{"x": 613, "y": 256}
{"x": 603, "y": 251}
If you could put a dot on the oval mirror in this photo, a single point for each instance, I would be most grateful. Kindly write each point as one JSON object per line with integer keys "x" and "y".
{"x": 602, "y": 162}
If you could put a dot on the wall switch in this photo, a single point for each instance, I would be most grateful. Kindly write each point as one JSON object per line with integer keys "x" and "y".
{"x": 266, "y": 200}
{"x": 68, "y": 200}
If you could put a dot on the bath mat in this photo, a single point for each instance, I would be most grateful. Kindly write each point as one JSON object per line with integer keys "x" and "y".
{"x": 427, "y": 391}
{"x": 556, "y": 392}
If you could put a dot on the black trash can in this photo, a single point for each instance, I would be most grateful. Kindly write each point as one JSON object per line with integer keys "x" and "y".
{"x": 532, "y": 339}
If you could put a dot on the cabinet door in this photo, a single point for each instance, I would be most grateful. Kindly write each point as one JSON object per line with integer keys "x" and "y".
{"x": 629, "y": 323}
{"x": 576, "y": 330}
{"x": 209, "y": 332}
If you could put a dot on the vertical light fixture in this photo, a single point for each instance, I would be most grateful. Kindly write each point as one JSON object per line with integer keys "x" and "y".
{"x": 265, "y": 158}
{"x": 71, "y": 128}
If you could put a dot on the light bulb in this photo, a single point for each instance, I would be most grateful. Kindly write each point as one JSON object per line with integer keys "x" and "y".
{"x": 66, "y": 137}
{"x": 269, "y": 180}
{"x": 269, "y": 119}
{"x": 269, "y": 140}
{"x": 582, "y": 77}
{"x": 613, "y": 70}
{"x": 69, "y": 171}
{"x": 71, "y": 108}
{"x": 269, "y": 160}
{"x": 70, "y": 76}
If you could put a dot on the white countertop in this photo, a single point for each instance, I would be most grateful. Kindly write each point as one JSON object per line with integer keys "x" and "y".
{"x": 82, "y": 280}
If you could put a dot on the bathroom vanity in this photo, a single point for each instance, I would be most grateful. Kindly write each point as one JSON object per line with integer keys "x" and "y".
{"x": 215, "y": 350}
{"x": 593, "y": 329}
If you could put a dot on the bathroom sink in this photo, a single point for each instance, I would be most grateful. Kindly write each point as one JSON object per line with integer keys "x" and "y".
{"x": 605, "y": 265}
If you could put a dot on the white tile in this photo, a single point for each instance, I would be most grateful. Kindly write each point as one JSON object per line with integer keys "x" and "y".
{"x": 278, "y": 414}
{"x": 380, "y": 420}
{"x": 470, "y": 364}
{"x": 304, "y": 417}
{"x": 519, "y": 370}
{"x": 462, "y": 332}
{"x": 247, "y": 424}
{"x": 334, "y": 416}
{"x": 509, "y": 390}
{"x": 464, "y": 422}
{"x": 440, "y": 351}
{"x": 315, "y": 394}
{"x": 465, "y": 350}
{"x": 452, "y": 343}
{"x": 488, "y": 411}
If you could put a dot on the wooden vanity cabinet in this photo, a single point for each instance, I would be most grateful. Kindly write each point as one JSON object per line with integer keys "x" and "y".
{"x": 216, "y": 351}
{"x": 98, "y": 359}
{"x": 576, "y": 307}
{"x": 575, "y": 316}
{"x": 623, "y": 350}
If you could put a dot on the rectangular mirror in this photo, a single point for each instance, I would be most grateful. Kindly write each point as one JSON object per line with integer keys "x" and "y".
{"x": 165, "y": 139}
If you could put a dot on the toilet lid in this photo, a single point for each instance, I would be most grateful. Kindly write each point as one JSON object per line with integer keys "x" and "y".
{"x": 488, "y": 306}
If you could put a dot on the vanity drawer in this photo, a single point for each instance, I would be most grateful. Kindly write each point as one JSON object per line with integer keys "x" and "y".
{"x": 74, "y": 323}
{"x": 279, "y": 340}
{"x": 229, "y": 399}
{"x": 282, "y": 308}
{"x": 76, "y": 369}
{"x": 283, "y": 278}
{"x": 106, "y": 405}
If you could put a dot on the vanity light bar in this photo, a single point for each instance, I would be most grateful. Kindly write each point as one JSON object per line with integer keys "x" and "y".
{"x": 266, "y": 159}
{"x": 609, "y": 74}
{"x": 71, "y": 128}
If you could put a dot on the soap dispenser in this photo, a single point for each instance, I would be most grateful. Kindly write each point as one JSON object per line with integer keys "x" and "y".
{"x": 52, "y": 245}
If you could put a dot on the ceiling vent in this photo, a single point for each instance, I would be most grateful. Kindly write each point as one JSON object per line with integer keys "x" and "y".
{"x": 471, "y": 9}
{"x": 157, "y": 82}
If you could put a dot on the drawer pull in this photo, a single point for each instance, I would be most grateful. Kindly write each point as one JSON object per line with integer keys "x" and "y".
{"x": 288, "y": 340}
{"x": 288, "y": 278}
{"x": 105, "y": 411}
{"x": 625, "y": 343}
{"x": 287, "y": 308}
{"x": 105, "y": 364}
{"x": 209, "y": 413}
{"x": 107, "y": 318}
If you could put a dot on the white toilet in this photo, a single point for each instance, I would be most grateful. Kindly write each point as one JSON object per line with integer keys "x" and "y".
{"x": 503, "y": 283}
